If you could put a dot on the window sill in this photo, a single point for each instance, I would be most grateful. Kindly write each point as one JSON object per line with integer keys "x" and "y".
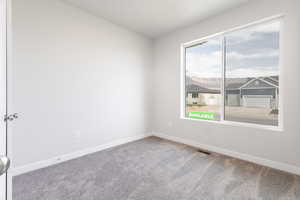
{"x": 238, "y": 124}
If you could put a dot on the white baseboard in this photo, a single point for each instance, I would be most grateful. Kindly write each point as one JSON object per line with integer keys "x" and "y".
{"x": 254, "y": 159}
{"x": 52, "y": 161}
{"x": 261, "y": 161}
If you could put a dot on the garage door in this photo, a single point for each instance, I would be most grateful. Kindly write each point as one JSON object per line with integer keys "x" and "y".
{"x": 233, "y": 100}
{"x": 257, "y": 101}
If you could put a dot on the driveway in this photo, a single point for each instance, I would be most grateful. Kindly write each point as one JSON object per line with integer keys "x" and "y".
{"x": 241, "y": 114}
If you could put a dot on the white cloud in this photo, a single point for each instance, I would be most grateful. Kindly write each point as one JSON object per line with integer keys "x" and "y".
{"x": 237, "y": 56}
{"x": 204, "y": 65}
{"x": 252, "y": 72}
{"x": 247, "y": 33}
{"x": 210, "y": 65}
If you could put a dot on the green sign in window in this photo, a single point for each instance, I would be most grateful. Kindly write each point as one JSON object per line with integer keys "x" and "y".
{"x": 202, "y": 115}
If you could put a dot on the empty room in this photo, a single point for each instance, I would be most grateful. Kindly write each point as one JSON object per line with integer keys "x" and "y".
{"x": 149, "y": 100}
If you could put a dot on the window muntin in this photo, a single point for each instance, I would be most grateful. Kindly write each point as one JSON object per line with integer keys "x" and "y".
{"x": 250, "y": 75}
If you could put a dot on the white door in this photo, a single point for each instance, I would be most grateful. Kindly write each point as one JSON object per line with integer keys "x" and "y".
{"x": 3, "y": 139}
{"x": 257, "y": 101}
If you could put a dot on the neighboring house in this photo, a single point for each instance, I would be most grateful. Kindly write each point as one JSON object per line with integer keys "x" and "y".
{"x": 259, "y": 92}
{"x": 202, "y": 96}
{"x": 255, "y": 92}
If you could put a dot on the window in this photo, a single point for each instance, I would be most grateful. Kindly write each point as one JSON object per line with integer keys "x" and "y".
{"x": 194, "y": 95}
{"x": 204, "y": 79}
{"x": 234, "y": 76}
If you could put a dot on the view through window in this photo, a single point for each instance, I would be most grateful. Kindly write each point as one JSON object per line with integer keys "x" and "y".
{"x": 235, "y": 76}
{"x": 203, "y": 82}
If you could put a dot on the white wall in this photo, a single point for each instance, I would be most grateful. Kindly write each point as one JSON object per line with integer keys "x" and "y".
{"x": 76, "y": 81}
{"x": 277, "y": 146}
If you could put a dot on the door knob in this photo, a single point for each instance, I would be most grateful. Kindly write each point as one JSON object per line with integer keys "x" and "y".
{"x": 4, "y": 164}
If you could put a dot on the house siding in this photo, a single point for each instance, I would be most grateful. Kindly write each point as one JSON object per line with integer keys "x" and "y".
{"x": 267, "y": 91}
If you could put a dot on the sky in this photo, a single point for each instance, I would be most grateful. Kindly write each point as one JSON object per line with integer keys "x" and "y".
{"x": 251, "y": 52}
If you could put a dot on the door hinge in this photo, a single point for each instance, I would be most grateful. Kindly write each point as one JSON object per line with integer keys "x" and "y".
{"x": 4, "y": 164}
{"x": 10, "y": 117}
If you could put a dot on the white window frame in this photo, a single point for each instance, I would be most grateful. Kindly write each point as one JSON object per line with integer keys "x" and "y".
{"x": 277, "y": 18}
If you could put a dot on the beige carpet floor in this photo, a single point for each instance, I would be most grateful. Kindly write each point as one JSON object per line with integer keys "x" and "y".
{"x": 156, "y": 169}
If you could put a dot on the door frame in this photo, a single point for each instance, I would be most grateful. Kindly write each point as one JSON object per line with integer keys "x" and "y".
{"x": 3, "y": 93}
{"x": 5, "y": 51}
{"x": 8, "y": 97}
